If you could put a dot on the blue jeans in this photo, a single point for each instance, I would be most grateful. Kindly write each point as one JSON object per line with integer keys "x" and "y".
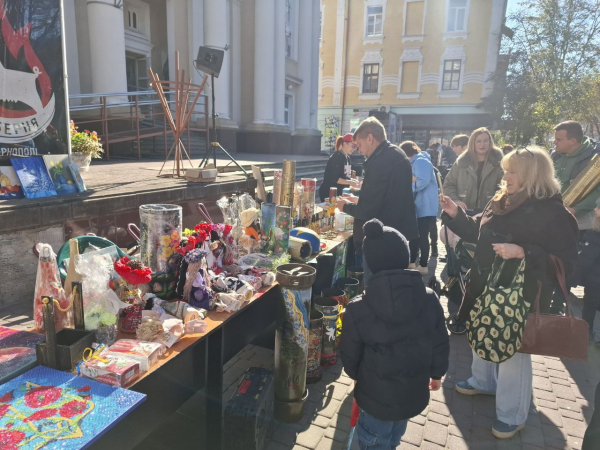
{"x": 375, "y": 434}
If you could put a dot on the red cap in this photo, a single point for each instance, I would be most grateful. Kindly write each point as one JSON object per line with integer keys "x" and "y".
{"x": 347, "y": 137}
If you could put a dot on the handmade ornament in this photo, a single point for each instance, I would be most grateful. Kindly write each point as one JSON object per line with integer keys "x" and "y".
{"x": 133, "y": 274}
{"x": 282, "y": 229}
{"x": 277, "y": 180}
{"x": 267, "y": 226}
{"x": 195, "y": 276}
{"x": 47, "y": 283}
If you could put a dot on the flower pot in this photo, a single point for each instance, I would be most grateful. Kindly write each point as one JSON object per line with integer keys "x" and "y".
{"x": 81, "y": 160}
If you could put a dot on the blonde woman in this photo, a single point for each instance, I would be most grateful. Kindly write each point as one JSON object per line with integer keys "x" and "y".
{"x": 476, "y": 174}
{"x": 526, "y": 219}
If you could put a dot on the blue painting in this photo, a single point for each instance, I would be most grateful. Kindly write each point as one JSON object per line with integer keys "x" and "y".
{"x": 34, "y": 177}
{"x": 49, "y": 409}
{"x": 77, "y": 177}
{"x": 9, "y": 184}
{"x": 58, "y": 168}
{"x": 17, "y": 352}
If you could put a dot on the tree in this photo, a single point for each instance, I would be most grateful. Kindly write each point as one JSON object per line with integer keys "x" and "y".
{"x": 554, "y": 52}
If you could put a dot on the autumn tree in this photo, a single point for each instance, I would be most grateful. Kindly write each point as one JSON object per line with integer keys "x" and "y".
{"x": 553, "y": 59}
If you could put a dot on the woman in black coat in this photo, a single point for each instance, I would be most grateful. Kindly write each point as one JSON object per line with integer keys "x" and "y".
{"x": 526, "y": 219}
{"x": 339, "y": 170}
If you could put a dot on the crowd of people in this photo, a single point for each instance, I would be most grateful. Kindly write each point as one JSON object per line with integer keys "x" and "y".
{"x": 508, "y": 204}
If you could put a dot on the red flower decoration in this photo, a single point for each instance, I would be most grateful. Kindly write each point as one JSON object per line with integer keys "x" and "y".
{"x": 8, "y": 397}
{"x": 84, "y": 389}
{"x": 227, "y": 230}
{"x": 9, "y": 439}
{"x": 3, "y": 410}
{"x": 189, "y": 243}
{"x": 206, "y": 227}
{"x": 72, "y": 409}
{"x": 41, "y": 414}
{"x": 42, "y": 396}
{"x": 201, "y": 236}
{"x": 134, "y": 272}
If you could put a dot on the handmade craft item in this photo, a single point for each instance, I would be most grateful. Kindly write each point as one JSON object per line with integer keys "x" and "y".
{"x": 58, "y": 168}
{"x": 331, "y": 310}
{"x": 17, "y": 352}
{"x": 282, "y": 229}
{"x": 267, "y": 226}
{"x": 133, "y": 274}
{"x": 33, "y": 176}
{"x": 45, "y": 408}
{"x": 72, "y": 274}
{"x": 315, "y": 339}
{"x": 309, "y": 186}
{"x": 277, "y": 180}
{"x": 10, "y": 187}
{"x": 48, "y": 284}
{"x": 288, "y": 179}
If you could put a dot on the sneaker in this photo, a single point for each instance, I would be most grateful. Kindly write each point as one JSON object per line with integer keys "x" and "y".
{"x": 465, "y": 388}
{"x": 505, "y": 431}
{"x": 424, "y": 270}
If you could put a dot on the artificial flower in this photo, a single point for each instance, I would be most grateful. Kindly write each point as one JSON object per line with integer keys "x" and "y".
{"x": 201, "y": 236}
{"x": 227, "y": 230}
{"x": 175, "y": 235}
{"x": 41, "y": 414}
{"x": 165, "y": 240}
{"x": 186, "y": 244}
{"x": 205, "y": 226}
{"x": 133, "y": 272}
{"x": 167, "y": 251}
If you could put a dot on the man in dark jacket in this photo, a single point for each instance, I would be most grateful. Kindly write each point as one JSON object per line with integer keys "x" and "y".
{"x": 395, "y": 342}
{"x": 386, "y": 193}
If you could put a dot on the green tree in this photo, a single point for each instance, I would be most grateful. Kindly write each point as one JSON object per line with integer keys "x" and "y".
{"x": 554, "y": 51}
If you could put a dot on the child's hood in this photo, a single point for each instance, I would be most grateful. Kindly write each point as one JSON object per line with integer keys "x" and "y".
{"x": 396, "y": 295}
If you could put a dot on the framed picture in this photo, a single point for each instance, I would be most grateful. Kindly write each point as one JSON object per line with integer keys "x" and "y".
{"x": 34, "y": 177}
{"x": 10, "y": 187}
{"x": 58, "y": 168}
{"x": 77, "y": 177}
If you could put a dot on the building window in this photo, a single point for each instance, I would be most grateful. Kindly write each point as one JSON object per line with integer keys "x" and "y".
{"x": 287, "y": 109}
{"x": 410, "y": 77}
{"x": 288, "y": 28}
{"x": 457, "y": 14}
{"x": 133, "y": 19}
{"x": 451, "y": 78}
{"x": 370, "y": 78}
{"x": 413, "y": 19}
{"x": 374, "y": 21}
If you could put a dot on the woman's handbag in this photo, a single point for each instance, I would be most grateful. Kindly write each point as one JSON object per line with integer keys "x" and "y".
{"x": 551, "y": 335}
{"x": 495, "y": 328}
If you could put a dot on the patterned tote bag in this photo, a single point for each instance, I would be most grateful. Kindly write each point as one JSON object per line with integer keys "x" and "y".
{"x": 497, "y": 320}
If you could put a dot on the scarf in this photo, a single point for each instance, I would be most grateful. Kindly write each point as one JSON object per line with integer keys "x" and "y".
{"x": 507, "y": 203}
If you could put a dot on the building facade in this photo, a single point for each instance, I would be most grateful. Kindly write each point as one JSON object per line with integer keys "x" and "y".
{"x": 266, "y": 92}
{"x": 421, "y": 66}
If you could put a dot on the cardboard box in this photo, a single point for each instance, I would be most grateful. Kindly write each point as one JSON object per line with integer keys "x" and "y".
{"x": 198, "y": 175}
{"x": 114, "y": 370}
{"x": 146, "y": 353}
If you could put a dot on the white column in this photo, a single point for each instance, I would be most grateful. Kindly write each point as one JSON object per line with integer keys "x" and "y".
{"x": 195, "y": 34}
{"x": 279, "y": 85}
{"x": 339, "y": 52}
{"x": 71, "y": 44}
{"x": 236, "y": 61}
{"x": 264, "y": 61}
{"x": 305, "y": 41}
{"x": 216, "y": 34}
{"x": 107, "y": 47}
{"x": 315, "y": 65}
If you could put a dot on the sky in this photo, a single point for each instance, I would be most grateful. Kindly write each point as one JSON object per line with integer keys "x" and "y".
{"x": 511, "y": 4}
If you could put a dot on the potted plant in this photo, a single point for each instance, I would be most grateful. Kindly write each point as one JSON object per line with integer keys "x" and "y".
{"x": 85, "y": 145}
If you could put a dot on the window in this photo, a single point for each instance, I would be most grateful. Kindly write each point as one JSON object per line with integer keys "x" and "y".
{"x": 133, "y": 20}
{"x": 288, "y": 28}
{"x": 374, "y": 21}
{"x": 370, "y": 78}
{"x": 287, "y": 109}
{"x": 457, "y": 14}
{"x": 410, "y": 77}
{"x": 451, "y": 78}
{"x": 413, "y": 21}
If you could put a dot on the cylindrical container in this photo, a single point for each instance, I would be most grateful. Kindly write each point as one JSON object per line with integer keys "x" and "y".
{"x": 310, "y": 186}
{"x": 277, "y": 186}
{"x": 349, "y": 285}
{"x": 332, "y": 194}
{"x": 160, "y": 229}
{"x": 298, "y": 204}
{"x": 267, "y": 226}
{"x": 283, "y": 217}
{"x": 331, "y": 310}
{"x": 107, "y": 334}
{"x": 288, "y": 179}
{"x": 358, "y": 273}
{"x": 343, "y": 300}
{"x": 300, "y": 249}
{"x": 291, "y": 340}
{"x": 315, "y": 339}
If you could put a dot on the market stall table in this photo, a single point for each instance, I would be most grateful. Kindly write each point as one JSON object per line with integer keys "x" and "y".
{"x": 196, "y": 363}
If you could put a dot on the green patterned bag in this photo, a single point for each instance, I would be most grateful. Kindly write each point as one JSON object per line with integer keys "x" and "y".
{"x": 495, "y": 328}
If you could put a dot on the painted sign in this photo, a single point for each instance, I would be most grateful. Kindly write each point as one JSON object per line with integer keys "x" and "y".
{"x": 33, "y": 109}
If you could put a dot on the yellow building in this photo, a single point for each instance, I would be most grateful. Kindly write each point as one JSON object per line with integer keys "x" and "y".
{"x": 424, "y": 65}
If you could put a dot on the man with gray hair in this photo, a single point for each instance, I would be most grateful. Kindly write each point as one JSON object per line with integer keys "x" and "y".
{"x": 386, "y": 193}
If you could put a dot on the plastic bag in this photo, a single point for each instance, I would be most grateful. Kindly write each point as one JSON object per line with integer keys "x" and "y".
{"x": 47, "y": 283}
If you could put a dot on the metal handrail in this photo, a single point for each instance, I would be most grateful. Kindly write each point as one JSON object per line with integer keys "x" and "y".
{"x": 134, "y": 116}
